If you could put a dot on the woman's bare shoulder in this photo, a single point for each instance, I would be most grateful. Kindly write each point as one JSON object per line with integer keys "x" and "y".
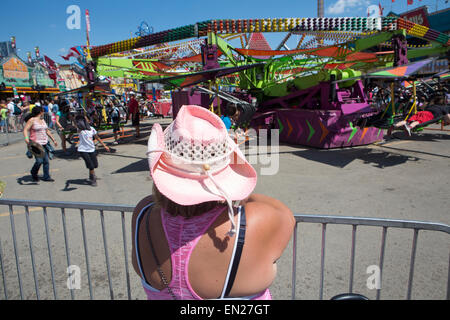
{"x": 269, "y": 227}
{"x": 266, "y": 213}
{"x": 141, "y": 204}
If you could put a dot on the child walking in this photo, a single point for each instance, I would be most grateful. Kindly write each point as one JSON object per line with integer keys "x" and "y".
{"x": 86, "y": 146}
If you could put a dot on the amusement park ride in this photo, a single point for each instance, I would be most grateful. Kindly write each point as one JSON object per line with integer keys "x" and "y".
{"x": 319, "y": 94}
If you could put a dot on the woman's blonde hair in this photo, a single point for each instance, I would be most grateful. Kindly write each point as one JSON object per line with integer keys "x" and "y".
{"x": 176, "y": 209}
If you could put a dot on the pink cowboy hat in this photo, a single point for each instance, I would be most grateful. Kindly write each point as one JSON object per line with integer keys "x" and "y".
{"x": 194, "y": 160}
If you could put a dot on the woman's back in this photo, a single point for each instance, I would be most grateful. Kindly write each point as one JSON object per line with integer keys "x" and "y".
{"x": 38, "y": 131}
{"x": 205, "y": 258}
{"x": 197, "y": 168}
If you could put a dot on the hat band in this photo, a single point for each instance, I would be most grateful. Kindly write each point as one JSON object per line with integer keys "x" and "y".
{"x": 187, "y": 168}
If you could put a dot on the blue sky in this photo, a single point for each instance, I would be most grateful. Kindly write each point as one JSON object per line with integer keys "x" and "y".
{"x": 43, "y": 22}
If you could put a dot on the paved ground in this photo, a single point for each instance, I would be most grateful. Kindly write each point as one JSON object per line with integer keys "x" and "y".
{"x": 406, "y": 178}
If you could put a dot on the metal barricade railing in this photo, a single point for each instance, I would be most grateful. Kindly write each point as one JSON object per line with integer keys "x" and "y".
{"x": 63, "y": 208}
{"x": 356, "y": 222}
{"x": 42, "y": 245}
{"x": 7, "y": 137}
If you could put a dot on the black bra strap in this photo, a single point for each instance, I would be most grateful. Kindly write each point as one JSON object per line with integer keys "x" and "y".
{"x": 138, "y": 254}
{"x": 238, "y": 253}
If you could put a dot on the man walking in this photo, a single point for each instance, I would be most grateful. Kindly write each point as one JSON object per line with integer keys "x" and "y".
{"x": 12, "y": 116}
{"x": 133, "y": 109}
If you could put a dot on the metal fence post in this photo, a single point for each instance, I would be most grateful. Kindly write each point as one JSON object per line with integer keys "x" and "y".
{"x": 105, "y": 245}
{"x": 294, "y": 260}
{"x": 3, "y": 272}
{"x": 30, "y": 241}
{"x": 16, "y": 253}
{"x": 63, "y": 216}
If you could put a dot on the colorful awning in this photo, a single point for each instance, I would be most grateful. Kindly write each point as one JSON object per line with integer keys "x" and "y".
{"x": 401, "y": 71}
{"x": 182, "y": 81}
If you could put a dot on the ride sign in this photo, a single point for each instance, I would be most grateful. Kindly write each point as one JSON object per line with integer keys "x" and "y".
{"x": 418, "y": 16}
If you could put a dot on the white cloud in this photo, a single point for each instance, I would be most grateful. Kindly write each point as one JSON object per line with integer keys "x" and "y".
{"x": 342, "y": 6}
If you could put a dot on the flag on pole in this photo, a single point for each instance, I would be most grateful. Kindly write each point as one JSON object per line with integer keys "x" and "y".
{"x": 74, "y": 52}
{"x": 381, "y": 9}
{"x": 88, "y": 21}
{"x": 52, "y": 68}
{"x": 50, "y": 63}
{"x": 88, "y": 29}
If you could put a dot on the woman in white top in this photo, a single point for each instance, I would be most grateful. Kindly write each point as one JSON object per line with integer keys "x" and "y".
{"x": 86, "y": 146}
{"x": 36, "y": 130}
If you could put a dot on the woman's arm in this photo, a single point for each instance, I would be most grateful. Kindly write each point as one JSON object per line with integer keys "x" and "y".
{"x": 51, "y": 137}
{"x": 274, "y": 223}
{"x": 57, "y": 122}
{"x": 26, "y": 130}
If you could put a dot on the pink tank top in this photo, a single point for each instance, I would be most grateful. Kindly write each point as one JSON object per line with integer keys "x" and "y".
{"x": 38, "y": 132}
{"x": 182, "y": 235}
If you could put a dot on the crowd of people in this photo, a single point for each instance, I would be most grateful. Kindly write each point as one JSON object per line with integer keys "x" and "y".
{"x": 42, "y": 120}
{"x": 14, "y": 111}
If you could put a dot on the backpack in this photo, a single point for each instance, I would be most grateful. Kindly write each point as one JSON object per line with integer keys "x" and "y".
{"x": 115, "y": 115}
{"x": 17, "y": 110}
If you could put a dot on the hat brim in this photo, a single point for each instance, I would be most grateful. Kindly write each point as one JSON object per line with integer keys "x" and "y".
{"x": 36, "y": 149}
{"x": 238, "y": 179}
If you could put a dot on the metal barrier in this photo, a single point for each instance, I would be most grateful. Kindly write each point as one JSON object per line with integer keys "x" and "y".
{"x": 54, "y": 213}
{"x": 356, "y": 222}
{"x": 63, "y": 207}
{"x": 7, "y": 137}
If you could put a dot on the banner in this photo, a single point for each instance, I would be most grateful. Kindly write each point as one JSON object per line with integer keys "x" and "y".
{"x": 418, "y": 16}
{"x": 52, "y": 68}
{"x": 50, "y": 63}
{"x": 16, "y": 69}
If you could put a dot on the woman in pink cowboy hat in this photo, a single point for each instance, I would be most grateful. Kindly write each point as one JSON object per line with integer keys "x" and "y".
{"x": 189, "y": 240}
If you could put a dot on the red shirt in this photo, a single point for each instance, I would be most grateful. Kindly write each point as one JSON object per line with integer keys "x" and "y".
{"x": 133, "y": 106}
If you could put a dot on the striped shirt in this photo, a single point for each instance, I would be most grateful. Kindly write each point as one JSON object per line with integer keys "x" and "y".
{"x": 38, "y": 132}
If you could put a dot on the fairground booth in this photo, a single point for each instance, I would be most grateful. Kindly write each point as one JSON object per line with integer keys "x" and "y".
{"x": 24, "y": 79}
